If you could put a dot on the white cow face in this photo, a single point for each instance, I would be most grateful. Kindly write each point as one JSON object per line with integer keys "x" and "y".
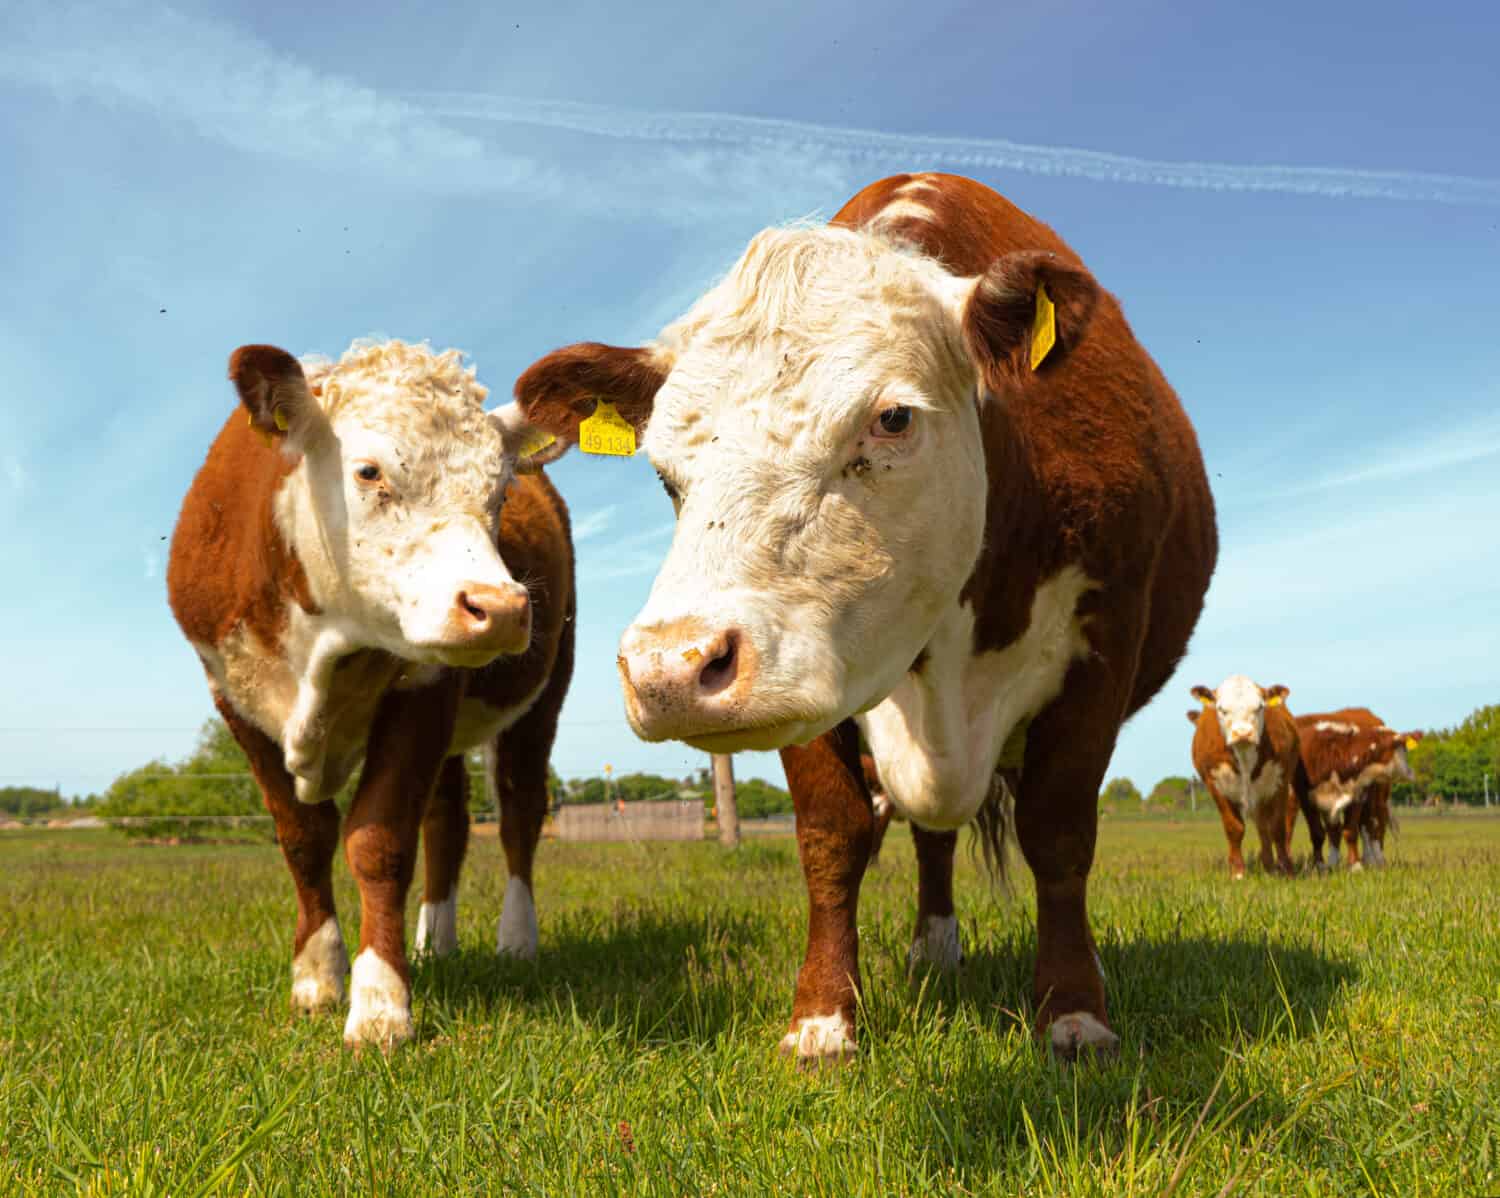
{"x": 394, "y": 504}
{"x": 1240, "y": 707}
{"x": 814, "y": 421}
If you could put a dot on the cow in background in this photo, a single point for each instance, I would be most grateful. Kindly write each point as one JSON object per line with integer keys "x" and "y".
{"x": 359, "y": 585}
{"x": 1348, "y": 757}
{"x": 929, "y": 488}
{"x": 1245, "y": 750}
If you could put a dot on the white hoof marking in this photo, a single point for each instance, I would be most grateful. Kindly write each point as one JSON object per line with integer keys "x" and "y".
{"x": 437, "y": 927}
{"x": 517, "y": 936}
{"x": 820, "y": 1037}
{"x": 1077, "y": 1031}
{"x": 379, "y": 1005}
{"x": 936, "y": 944}
{"x": 318, "y": 970}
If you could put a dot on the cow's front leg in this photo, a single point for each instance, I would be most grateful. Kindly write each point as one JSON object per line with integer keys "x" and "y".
{"x": 1234, "y": 833}
{"x": 303, "y": 740}
{"x": 1057, "y": 817}
{"x": 835, "y": 827}
{"x": 308, "y": 836}
{"x": 936, "y": 940}
{"x": 408, "y": 742}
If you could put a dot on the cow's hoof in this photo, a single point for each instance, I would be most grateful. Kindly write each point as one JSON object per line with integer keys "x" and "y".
{"x": 1237, "y": 875}
{"x": 379, "y": 1006}
{"x": 1078, "y": 1035}
{"x": 318, "y": 970}
{"x": 819, "y": 1041}
{"x": 1355, "y": 867}
{"x": 517, "y": 934}
{"x": 936, "y": 946}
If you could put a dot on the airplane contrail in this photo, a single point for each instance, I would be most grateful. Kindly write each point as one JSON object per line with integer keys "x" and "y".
{"x": 918, "y": 152}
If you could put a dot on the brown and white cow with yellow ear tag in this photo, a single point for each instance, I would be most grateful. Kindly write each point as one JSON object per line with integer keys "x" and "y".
{"x": 927, "y": 481}
{"x": 365, "y": 578}
{"x": 1245, "y": 750}
{"x": 1349, "y": 757}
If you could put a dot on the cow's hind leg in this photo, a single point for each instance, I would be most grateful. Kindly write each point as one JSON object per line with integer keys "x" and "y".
{"x": 936, "y": 940}
{"x": 309, "y": 836}
{"x": 408, "y": 743}
{"x": 517, "y": 768}
{"x": 445, "y": 837}
{"x": 835, "y": 826}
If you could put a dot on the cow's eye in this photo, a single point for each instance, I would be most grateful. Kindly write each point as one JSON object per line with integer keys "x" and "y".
{"x": 672, "y": 493}
{"x": 367, "y": 473}
{"x": 892, "y": 422}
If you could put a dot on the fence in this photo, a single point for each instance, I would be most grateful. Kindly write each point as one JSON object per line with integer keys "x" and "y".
{"x": 663, "y": 819}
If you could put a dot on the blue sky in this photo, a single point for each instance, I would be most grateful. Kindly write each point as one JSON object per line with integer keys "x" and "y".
{"x": 1299, "y": 209}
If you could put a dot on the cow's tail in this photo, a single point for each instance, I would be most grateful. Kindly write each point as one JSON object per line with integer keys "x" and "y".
{"x": 994, "y": 827}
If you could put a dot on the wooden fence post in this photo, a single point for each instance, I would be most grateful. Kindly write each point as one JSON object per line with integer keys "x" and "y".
{"x": 725, "y": 810}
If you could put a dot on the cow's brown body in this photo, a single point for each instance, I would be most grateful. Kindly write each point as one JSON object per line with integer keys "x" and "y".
{"x": 1350, "y": 751}
{"x": 1071, "y": 610}
{"x": 232, "y": 575}
{"x": 1092, "y": 463}
{"x": 1269, "y": 798}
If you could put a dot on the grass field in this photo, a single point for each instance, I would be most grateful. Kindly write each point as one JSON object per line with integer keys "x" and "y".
{"x": 1329, "y": 1035}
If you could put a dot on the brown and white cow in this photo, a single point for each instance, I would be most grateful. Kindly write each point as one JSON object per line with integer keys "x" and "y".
{"x": 1349, "y": 758}
{"x": 1245, "y": 750}
{"x": 927, "y": 482}
{"x": 346, "y": 571}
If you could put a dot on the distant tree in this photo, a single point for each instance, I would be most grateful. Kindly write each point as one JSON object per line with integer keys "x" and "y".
{"x": 28, "y": 802}
{"x": 1171, "y": 792}
{"x": 1120, "y": 790}
{"x": 757, "y": 799}
{"x": 1453, "y": 762}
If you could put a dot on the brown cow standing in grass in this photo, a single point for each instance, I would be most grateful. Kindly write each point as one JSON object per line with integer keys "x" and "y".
{"x": 359, "y": 585}
{"x": 1245, "y": 750}
{"x": 927, "y": 483}
{"x": 1348, "y": 758}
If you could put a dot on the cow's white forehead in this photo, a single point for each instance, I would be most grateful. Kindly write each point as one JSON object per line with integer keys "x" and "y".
{"x": 806, "y": 328}
{"x": 1239, "y": 694}
{"x": 427, "y": 406}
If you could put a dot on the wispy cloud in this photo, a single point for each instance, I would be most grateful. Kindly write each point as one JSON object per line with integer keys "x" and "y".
{"x": 15, "y": 474}
{"x": 870, "y": 146}
{"x": 594, "y": 523}
{"x": 625, "y": 557}
{"x": 152, "y": 564}
{"x": 1406, "y": 457}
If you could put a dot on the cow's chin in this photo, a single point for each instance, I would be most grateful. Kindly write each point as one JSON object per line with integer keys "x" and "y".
{"x": 752, "y": 740}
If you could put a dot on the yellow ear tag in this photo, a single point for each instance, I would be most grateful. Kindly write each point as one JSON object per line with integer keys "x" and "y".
{"x": 1274, "y": 701}
{"x": 1206, "y": 702}
{"x": 278, "y": 415}
{"x": 1411, "y": 742}
{"x": 535, "y": 443}
{"x": 607, "y": 432}
{"x": 1043, "y": 327}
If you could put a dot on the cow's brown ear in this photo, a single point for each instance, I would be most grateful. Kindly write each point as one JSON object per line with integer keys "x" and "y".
{"x": 559, "y": 391}
{"x": 1193, "y": 716}
{"x": 1027, "y": 313}
{"x": 1204, "y": 695}
{"x": 272, "y": 387}
{"x": 1275, "y": 695}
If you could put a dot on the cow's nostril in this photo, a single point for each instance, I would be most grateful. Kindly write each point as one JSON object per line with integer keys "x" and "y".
{"x": 722, "y": 670}
{"x": 472, "y": 609}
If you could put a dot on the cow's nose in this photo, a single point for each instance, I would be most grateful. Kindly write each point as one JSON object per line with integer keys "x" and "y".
{"x": 680, "y": 678}
{"x": 491, "y": 617}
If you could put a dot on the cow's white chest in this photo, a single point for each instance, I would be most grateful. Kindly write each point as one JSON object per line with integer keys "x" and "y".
{"x": 1248, "y": 786}
{"x": 937, "y": 737}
